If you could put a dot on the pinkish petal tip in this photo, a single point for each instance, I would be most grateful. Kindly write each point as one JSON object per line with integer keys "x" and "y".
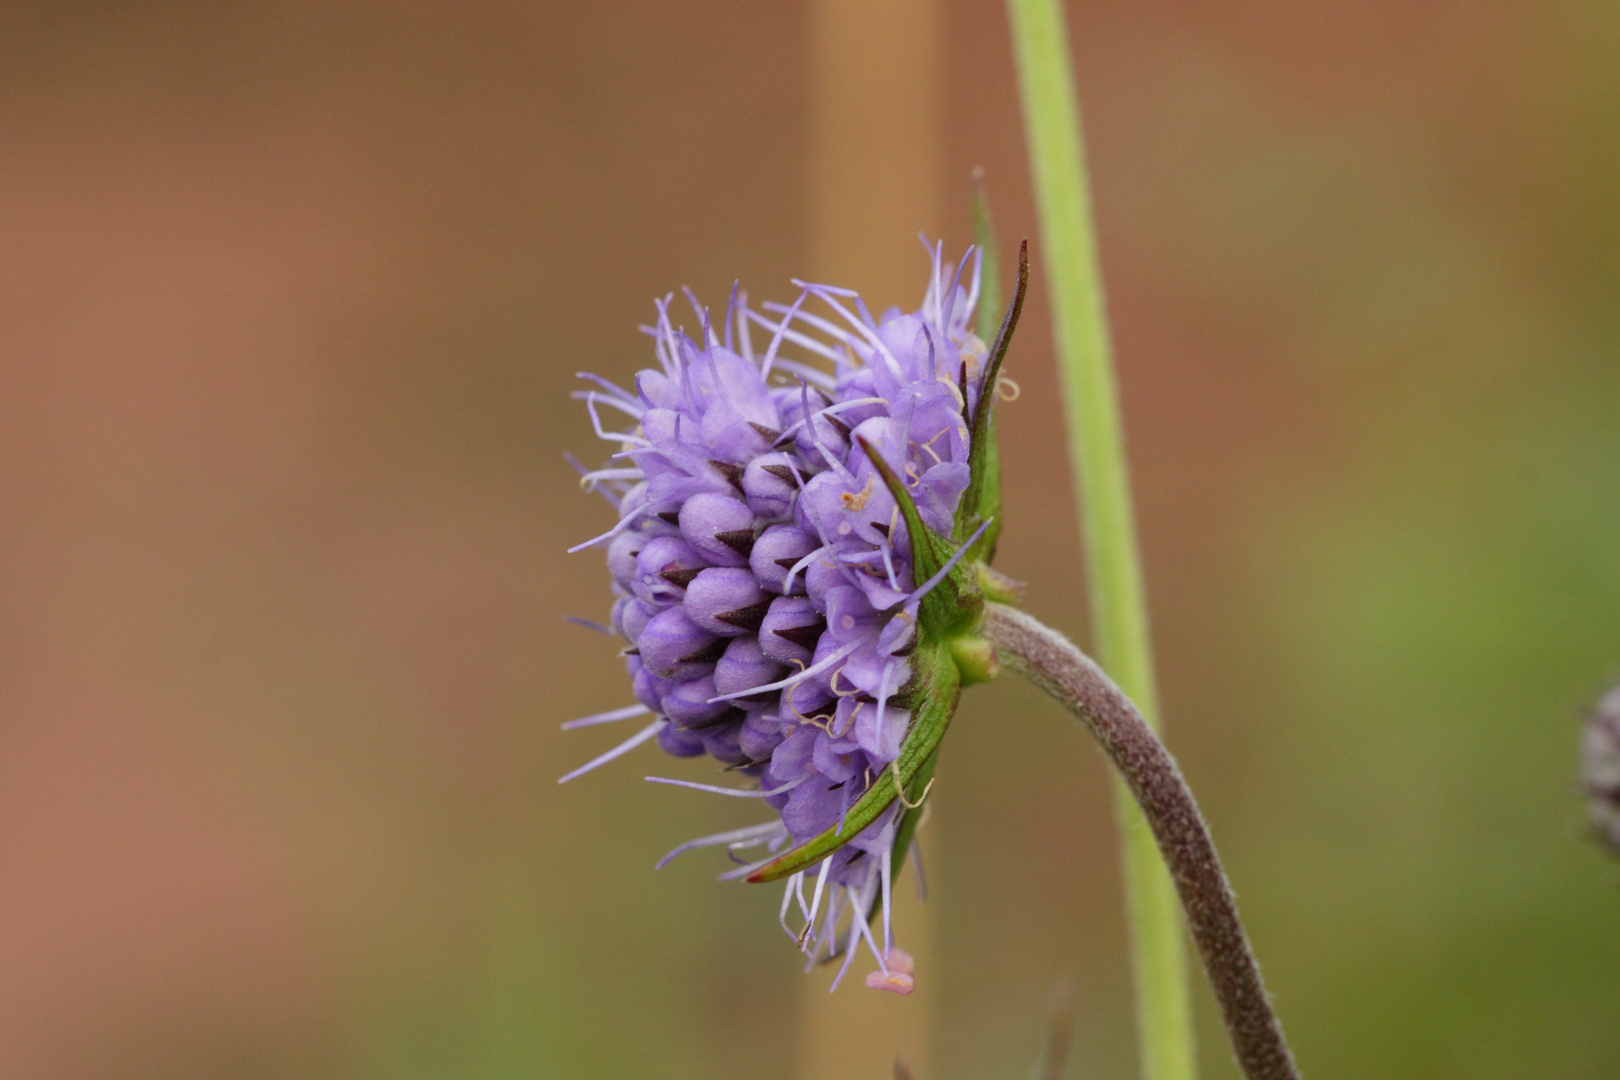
{"x": 897, "y": 959}
{"x": 895, "y": 981}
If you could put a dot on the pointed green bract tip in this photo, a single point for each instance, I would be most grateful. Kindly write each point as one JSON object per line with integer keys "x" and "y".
{"x": 996, "y": 586}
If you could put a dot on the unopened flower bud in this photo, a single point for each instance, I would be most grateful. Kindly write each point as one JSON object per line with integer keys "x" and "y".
{"x": 632, "y": 618}
{"x": 688, "y": 704}
{"x": 726, "y": 601}
{"x": 664, "y": 567}
{"x": 823, "y": 434}
{"x": 790, "y": 630}
{"x": 776, "y": 552}
{"x": 723, "y": 742}
{"x": 648, "y": 688}
{"x": 679, "y": 742}
{"x": 819, "y": 577}
{"x": 771, "y": 484}
{"x": 719, "y": 527}
{"x": 621, "y": 557}
{"x": 674, "y": 647}
{"x": 744, "y": 666}
{"x": 761, "y": 734}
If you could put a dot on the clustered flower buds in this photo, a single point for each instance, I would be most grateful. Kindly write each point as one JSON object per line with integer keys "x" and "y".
{"x": 1600, "y": 767}
{"x": 793, "y": 567}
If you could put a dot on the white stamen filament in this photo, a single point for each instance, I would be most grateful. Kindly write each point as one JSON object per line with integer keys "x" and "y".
{"x": 821, "y": 884}
{"x": 794, "y": 679}
{"x": 819, "y": 379}
{"x": 629, "y": 408}
{"x": 606, "y": 717}
{"x": 624, "y": 523}
{"x": 804, "y": 341}
{"x": 776, "y": 341}
{"x": 618, "y": 751}
{"x": 750, "y": 834}
{"x": 740, "y": 793}
{"x": 826, "y": 326}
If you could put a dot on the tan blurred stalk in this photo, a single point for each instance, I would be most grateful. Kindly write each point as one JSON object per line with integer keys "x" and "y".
{"x": 876, "y": 165}
{"x": 876, "y": 154}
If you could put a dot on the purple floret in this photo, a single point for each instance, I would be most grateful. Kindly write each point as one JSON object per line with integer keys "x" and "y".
{"x": 1600, "y": 767}
{"x": 766, "y": 587}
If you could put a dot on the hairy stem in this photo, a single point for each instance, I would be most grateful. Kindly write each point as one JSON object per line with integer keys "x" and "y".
{"x": 1051, "y": 661}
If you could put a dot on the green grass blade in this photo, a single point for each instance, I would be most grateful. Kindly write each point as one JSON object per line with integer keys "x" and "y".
{"x": 1097, "y": 455}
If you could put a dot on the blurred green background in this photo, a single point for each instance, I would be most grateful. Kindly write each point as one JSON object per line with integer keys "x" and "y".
{"x": 291, "y": 296}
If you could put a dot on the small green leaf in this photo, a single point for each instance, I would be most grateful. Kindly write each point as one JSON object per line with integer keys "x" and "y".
{"x": 988, "y": 474}
{"x": 929, "y": 552}
{"x": 996, "y": 586}
{"x": 981, "y": 501}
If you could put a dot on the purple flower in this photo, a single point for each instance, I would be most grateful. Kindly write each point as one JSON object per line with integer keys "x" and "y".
{"x": 1600, "y": 767}
{"x": 765, "y": 574}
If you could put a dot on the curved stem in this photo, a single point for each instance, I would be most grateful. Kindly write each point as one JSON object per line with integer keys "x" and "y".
{"x": 1052, "y": 662}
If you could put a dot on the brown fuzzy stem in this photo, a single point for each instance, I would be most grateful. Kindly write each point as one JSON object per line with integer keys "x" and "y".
{"x": 1051, "y": 661}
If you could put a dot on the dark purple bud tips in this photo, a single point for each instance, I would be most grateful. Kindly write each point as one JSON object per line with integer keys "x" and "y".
{"x": 832, "y": 435}
{"x": 778, "y": 549}
{"x": 791, "y": 629}
{"x": 771, "y": 486}
{"x": 666, "y": 565}
{"x": 732, "y": 473}
{"x": 726, "y": 601}
{"x": 674, "y": 647}
{"x": 745, "y": 666}
{"x": 719, "y": 527}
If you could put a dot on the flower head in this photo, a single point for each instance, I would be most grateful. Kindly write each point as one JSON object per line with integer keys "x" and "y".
{"x": 1600, "y": 767}
{"x": 793, "y": 567}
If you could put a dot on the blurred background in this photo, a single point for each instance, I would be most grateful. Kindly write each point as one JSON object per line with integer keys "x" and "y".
{"x": 291, "y": 299}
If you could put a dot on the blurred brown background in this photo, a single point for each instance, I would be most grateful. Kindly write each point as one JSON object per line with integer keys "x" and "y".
{"x": 291, "y": 297}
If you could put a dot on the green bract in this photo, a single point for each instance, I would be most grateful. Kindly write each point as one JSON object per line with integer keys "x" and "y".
{"x": 949, "y": 652}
